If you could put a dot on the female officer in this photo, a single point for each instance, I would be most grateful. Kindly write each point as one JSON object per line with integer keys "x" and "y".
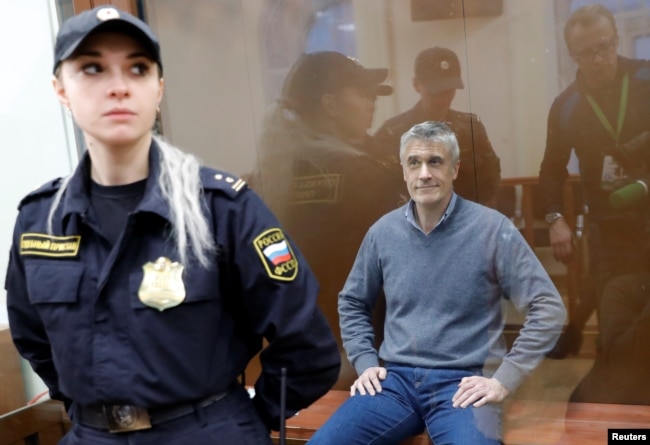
{"x": 140, "y": 286}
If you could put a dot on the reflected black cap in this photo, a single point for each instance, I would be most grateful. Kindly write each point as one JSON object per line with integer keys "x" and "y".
{"x": 438, "y": 69}
{"x": 105, "y": 18}
{"x": 322, "y": 72}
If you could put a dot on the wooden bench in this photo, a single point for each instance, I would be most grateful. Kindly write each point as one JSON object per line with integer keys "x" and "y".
{"x": 12, "y": 390}
{"x": 43, "y": 423}
{"x": 526, "y": 422}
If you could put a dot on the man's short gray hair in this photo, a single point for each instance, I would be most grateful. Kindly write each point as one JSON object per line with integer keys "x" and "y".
{"x": 587, "y": 16}
{"x": 431, "y": 132}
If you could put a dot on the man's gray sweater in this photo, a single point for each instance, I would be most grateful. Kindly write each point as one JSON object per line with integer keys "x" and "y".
{"x": 444, "y": 295}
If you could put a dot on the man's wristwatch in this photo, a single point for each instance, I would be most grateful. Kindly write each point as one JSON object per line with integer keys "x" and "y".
{"x": 550, "y": 218}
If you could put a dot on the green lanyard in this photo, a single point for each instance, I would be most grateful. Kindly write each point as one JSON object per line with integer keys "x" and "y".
{"x": 622, "y": 107}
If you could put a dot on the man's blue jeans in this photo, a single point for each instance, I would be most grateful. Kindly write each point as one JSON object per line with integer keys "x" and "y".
{"x": 411, "y": 400}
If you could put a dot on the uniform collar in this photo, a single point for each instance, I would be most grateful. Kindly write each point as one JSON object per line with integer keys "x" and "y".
{"x": 77, "y": 197}
{"x": 623, "y": 65}
{"x": 420, "y": 116}
{"x": 153, "y": 200}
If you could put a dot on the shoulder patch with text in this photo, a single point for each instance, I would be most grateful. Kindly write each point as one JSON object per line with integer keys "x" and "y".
{"x": 325, "y": 188}
{"x": 276, "y": 255}
{"x": 41, "y": 244}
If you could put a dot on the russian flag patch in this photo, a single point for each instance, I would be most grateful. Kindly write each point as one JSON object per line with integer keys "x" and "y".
{"x": 277, "y": 257}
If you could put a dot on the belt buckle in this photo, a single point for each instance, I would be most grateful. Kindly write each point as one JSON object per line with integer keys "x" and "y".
{"x": 124, "y": 418}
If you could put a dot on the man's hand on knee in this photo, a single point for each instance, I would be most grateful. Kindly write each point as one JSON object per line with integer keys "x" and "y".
{"x": 369, "y": 381}
{"x": 477, "y": 391}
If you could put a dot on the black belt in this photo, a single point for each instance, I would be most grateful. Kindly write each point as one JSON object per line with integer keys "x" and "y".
{"x": 124, "y": 418}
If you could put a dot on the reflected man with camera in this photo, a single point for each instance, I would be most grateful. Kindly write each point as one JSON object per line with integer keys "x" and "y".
{"x": 604, "y": 116}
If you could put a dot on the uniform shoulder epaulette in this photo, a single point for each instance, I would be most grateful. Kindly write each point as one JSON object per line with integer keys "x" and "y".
{"x": 567, "y": 107}
{"x": 46, "y": 190}
{"x": 462, "y": 115}
{"x": 397, "y": 125}
{"x": 224, "y": 182}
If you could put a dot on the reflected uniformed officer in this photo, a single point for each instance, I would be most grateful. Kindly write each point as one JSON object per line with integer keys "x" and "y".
{"x": 437, "y": 77}
{"x": 140, "y": 286}
{"x": 318, "y": 169}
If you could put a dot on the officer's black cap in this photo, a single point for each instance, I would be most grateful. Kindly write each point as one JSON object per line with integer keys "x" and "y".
{"x": 318, "y": 73}
{"x": 438, "y": 69}
{"x": 103, "y": 18}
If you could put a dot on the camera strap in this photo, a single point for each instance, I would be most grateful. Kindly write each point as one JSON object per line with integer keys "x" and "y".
{"x": 622, "y": 107}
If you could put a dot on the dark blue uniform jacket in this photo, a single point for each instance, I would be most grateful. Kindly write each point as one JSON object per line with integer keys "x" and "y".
{"x": 76, "y": 317}
{"x": 573, "y": 125}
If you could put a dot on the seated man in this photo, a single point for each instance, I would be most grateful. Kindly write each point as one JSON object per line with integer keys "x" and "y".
{"x": 443, "y": 263}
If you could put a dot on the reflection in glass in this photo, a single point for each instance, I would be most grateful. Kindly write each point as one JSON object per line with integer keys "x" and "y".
{"x": 437, "y": 76}
{"x": 602, "y": 117}
{"x": 235, "y": 57}
{"x": 319, "y": 170}
{"x": 620, "y": 371}
{"x": 333, "y": 29}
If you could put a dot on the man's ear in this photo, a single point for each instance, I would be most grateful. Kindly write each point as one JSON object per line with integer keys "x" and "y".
{"x": 60, "y": 92}
{"x": 329, "y": 104}
{"x": 417, "y": 85}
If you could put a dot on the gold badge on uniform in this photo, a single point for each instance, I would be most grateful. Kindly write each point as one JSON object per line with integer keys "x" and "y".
{"x": 162, "y": 284}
